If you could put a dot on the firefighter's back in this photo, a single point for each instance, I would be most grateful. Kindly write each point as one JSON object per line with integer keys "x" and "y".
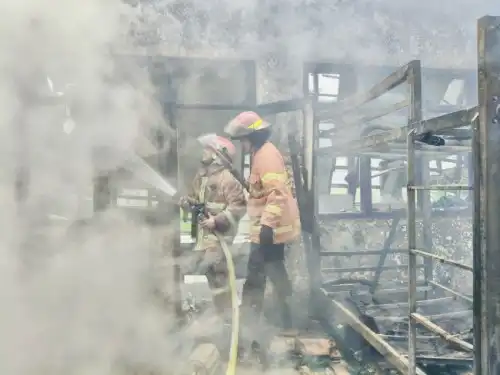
{"x": 289, "y": 225}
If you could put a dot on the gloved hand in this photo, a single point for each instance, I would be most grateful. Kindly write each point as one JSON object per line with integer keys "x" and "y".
{"x": 266, "y": 236}
{"x": 208, "y": 222}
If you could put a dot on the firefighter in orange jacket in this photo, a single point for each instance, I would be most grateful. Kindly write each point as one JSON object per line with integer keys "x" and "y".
{"x": 274, "y": 217}
{"x": 225, "y": 204}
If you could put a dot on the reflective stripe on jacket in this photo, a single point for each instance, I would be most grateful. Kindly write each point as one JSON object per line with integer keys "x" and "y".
{"x": 271, "y": 201}
{"x": 223, "y": 197}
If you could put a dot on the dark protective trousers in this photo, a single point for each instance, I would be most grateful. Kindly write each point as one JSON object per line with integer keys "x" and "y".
{"x": 266, "y": 261}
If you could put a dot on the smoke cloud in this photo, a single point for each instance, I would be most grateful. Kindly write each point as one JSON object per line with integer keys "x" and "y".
{"x": 75, "y": 299}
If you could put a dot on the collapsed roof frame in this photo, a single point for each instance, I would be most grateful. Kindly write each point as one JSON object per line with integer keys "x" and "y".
{"x": 483, "y": 120}
{"x": 409, "y": 74}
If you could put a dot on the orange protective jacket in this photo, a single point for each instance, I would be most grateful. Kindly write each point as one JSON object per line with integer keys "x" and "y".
{"x": 270, "y": 200}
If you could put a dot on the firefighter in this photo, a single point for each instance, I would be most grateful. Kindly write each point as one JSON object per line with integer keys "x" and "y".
{"x": 222, "y": 198}
{"x": 274, "y": 219}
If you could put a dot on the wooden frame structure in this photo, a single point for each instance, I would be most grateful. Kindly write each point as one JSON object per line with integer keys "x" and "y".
{"x": 390, "y": 141}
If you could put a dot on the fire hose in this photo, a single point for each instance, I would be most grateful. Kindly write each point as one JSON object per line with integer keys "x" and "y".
{"x": 235, "y": 309}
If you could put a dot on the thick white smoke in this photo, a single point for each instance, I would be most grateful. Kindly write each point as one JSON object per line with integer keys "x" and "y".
{"x": 72, "y": 302}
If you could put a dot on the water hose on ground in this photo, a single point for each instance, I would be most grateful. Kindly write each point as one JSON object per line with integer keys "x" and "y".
{"x": 235, "y": 309}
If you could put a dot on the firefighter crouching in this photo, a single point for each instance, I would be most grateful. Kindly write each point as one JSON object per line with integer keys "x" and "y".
{"x": 274, "y": 219}
{"x": 218, "y": 200}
